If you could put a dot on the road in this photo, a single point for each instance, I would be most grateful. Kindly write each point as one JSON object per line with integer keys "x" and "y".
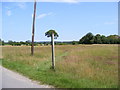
{"x": 12, "y": 79}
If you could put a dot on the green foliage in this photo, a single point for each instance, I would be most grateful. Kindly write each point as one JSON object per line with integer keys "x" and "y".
{"x": 22, "y": 43}
{"x": 99, "y": 39}
{"x": 87, "y": 39}
{"x": 49, "y": 34}
{"x": 1, "y": 42}
{"x": 103, "y": 39}
{"x": 14, "y": 43}
{"x": 74, "y": 42}
{"x": 114, "y": 39}
{"x": 61, "y": 44}
{"x": 10, "y": 42}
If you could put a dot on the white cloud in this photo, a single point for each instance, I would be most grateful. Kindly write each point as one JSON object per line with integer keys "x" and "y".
{"x": 9, "y": 13}
{"x": 43, "y": 15}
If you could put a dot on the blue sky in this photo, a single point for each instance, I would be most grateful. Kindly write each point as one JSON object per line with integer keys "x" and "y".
{"x": 70, "y": 20}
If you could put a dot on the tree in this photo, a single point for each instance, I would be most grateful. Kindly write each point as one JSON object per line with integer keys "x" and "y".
{"x": 113, "y": 39}
{"x": 103, "y": 39}
{"x": 74, "y": 42}
{"x": 10, "y": 42}
{"x": 28, "y": 42}
{"x": 22, "y": 43}
{"x": 0, "y": 42}
{"x": 118, "y": 42}
{"x": 53, "y": 34}
{"x": 97, "y": 39}
{"x": 87, "y": 39}
{"x": 3, "y": 43}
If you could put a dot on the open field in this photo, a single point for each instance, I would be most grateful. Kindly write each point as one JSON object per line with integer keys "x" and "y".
{"x": 77, "y": 66}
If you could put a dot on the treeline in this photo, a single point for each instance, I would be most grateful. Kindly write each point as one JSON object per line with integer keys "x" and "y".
{"x": 89, "y": 38}
{"x": 28, "y": 43}
{"x": 14, "y": 43}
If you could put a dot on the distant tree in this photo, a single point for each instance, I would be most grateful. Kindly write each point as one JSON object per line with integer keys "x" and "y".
{"x": 3, "y": 43}
{"x": 35, "y": 44}
{"x": 74, "y": 42}
{"x": 103, "y": 39}
{"x": 118, "y": 42}
{"x": 17, "y": 44}
{"x": 97, "y": 39}
{"x": 28, "y": 42}
{"x": 87, "y": 39}
{"x": 22, "y": 43}
{"x": 113, "y": 39}
{"x": 0, "y": 42}
{"x": 10, "y": 42}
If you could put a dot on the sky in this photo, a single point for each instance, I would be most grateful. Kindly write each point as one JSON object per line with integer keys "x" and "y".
{"x": 71, "y": 20}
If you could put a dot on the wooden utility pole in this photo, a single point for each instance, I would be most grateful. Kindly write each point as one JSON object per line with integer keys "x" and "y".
{"x": 33, "y": 29}
{"x": 53, "y": 52}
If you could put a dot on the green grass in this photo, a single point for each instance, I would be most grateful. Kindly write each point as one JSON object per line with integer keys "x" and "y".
{"x": 77, "y": 66}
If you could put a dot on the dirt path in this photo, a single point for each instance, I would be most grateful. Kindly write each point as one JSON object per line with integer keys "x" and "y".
{"x": 12, "y": 79}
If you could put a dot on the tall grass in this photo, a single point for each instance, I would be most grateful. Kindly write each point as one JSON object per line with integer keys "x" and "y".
{"x": 77, "y": 66}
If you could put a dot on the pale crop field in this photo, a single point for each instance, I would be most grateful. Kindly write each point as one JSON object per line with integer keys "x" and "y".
{"x": 77, "y": 66}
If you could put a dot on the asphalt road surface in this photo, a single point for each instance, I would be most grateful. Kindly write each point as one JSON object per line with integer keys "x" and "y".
{"x": 12, "y": 79}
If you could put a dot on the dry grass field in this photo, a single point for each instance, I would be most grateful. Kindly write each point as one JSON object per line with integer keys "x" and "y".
{"x": 77, "y": 66}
